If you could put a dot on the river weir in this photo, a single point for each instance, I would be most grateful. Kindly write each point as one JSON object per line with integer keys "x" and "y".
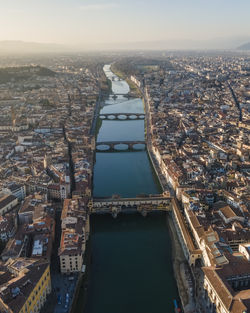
{"x": 130, "y": 267}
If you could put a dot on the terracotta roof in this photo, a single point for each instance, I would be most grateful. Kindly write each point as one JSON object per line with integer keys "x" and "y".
{"x": 220, "y": 288}
{"x": 228, "y": 212}
{"x": 238, "y": 307}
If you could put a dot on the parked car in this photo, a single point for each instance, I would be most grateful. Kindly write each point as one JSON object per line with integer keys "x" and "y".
{"x": 59, "y": 299}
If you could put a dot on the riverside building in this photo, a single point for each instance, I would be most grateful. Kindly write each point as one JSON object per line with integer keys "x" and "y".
{"x": 198, "y": 137}
{"x": 75, "y": 232}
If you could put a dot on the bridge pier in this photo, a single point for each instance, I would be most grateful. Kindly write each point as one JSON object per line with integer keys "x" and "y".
{"x": 115, "y": 211}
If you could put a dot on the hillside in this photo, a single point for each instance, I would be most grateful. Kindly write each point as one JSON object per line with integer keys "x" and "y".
{"x": 8, "y": 74}
{"x": 246, "y": 46}
{"x": 21, "y": 47}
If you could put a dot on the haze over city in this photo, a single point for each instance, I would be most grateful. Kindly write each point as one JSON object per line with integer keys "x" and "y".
{"x": 131, "y": 24}
{"x": 124, "y": 156}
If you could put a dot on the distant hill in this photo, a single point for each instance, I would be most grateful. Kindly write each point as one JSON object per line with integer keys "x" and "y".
{"x": 13, "y": 47}
{"x": 221, "y": 43}
{"x": 21, "y": 47}
{"x": 8, "y": 74}
{"x": 246, "y": 46}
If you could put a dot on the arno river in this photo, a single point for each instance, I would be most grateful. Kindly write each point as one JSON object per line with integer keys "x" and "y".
{"x": 131, "y": 263}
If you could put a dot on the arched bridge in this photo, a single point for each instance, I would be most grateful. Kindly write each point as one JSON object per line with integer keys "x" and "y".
{"x": 122, "y": 116}
{"x": 125, "y": 95}
{"x": 116, "y": 78}
{"x": 125, "y": 205}
{"x": 130, "y": 145}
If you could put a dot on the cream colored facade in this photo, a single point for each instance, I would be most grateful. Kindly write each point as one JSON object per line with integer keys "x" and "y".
{"x": 191, "y": 253}
{"x": 219, "y": 298}
{"x": 70, "y": 263}
{"x": 7, "y": 203}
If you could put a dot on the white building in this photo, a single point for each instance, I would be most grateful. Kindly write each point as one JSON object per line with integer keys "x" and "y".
{"x": 16, "y": 190}
{"x": 245, "y": 250}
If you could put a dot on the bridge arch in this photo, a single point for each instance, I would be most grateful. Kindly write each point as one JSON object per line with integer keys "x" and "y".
{"x": 114, "y": 146}
{"x": 122, "y": 116}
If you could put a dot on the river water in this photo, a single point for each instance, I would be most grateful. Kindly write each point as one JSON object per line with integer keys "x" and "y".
{"x": 131, "y": 264}
{"x": 125, "y": 173}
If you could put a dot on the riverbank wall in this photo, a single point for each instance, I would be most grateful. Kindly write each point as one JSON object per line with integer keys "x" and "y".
{"x": 179, "y": 266}
{"x": 155, "y": 169}
{"x": 81, "y": 291}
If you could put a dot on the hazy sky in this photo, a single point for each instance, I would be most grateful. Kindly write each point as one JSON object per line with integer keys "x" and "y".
{"x": 84, "y": 21}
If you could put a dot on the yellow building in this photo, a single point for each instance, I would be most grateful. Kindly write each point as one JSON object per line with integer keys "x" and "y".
{"x": 24, "y": 285}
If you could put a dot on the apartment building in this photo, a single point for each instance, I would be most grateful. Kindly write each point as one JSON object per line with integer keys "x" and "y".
{"x": 75, "y": 231}
{"x": 24, "y": 285}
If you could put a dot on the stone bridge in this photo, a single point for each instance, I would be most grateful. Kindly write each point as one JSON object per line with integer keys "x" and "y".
{"x": 116, "y": 79}
{"x": 143, "y": 205}
{"x": 122, "y": 116}
{"x": 126, "y": 95}
{"x": 112, "y": 144}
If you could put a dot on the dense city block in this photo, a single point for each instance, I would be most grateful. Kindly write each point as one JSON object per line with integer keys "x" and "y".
{"x": 197, "y": 122}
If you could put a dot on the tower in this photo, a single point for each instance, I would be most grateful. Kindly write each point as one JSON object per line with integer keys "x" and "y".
{"x": 13, "y": 116}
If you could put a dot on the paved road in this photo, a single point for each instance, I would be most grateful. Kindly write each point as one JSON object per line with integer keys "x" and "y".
{"x": 62, "y": 285}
